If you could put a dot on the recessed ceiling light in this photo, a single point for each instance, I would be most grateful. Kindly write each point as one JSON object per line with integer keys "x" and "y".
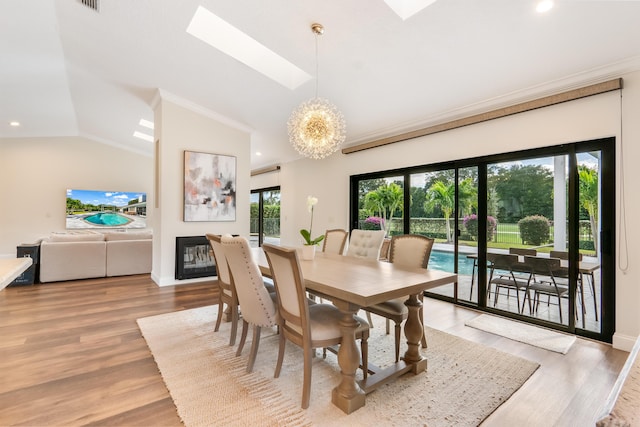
{"x": 258, "y": 153}
{"x": 218, "y": 33}
{"x": 544, "y": 6}
{"x": 143, "y": 136}
{"x": 146, "y": 123}
{"x": 14, "y": 123}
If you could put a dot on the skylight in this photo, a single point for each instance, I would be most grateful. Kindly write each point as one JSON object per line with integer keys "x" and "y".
{"x": 218, "y": 33}
{"x": 144, "y": 136}
{"x": 407, "y": 8}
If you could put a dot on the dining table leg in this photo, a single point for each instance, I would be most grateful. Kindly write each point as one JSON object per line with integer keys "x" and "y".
{"x": 413, "y": 331}
{"x": 348, "y": 395}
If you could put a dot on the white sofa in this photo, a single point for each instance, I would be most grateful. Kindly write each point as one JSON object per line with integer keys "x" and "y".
{"x": 71, "y": 256}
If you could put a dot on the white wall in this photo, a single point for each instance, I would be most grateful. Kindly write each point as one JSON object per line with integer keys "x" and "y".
{"x": 179, "y": 128}
{"x": 36, "y": 172}
{"x": 594, "y": 117}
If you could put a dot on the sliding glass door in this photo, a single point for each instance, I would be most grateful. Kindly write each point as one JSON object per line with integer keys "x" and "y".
{"x": 539, "y": 209}
{"x": 265, "y": 216}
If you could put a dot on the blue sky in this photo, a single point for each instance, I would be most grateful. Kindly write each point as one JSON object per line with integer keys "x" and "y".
{"x": 113, "y": 198}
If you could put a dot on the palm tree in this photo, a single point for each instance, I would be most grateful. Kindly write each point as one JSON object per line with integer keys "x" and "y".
{"x": 384, "y": 201}
{"x": 588, "y": 182}
{"x": 442, "y": 195}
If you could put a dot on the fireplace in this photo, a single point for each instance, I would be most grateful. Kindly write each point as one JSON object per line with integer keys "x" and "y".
{"x": 194, "y": 258}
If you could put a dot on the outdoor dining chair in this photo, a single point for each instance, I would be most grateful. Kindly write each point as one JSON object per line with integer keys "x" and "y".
{"x": 551, "y": 279}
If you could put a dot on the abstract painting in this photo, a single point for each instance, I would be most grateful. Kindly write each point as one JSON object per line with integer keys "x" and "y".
{"x": 209, "y": 187}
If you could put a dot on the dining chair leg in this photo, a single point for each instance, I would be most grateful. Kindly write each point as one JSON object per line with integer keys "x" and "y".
{"x": 219, "y": 318}
{"x": 234, "y": 325}
{"x": 369, "y": 320}
{"x": 306, "y": 385}
{"x": 281, "y": 347}
{"x": 254, "y": 348}
{"x": 243, "y": 337}
{"x": 388, "y": 326}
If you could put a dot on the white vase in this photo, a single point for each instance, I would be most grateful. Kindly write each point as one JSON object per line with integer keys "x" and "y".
{"x": 308, "y": 252}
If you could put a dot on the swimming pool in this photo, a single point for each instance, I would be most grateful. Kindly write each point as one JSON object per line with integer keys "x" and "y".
{"x": 107, "y": 218}
{"x": 443, "y": 261}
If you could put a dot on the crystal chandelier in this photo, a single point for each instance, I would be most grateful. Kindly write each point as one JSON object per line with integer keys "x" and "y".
{"x": 316, "y": 128}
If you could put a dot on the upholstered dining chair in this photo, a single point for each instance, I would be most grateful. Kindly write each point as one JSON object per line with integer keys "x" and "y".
{"x": 412, "y": 251}
{"x": 258, "y": 308}
{"x": 307, "y": 326}
{"x": 334, "y": 241}
{"x": 365, "y": 243}
{"x": 227, "y": 290}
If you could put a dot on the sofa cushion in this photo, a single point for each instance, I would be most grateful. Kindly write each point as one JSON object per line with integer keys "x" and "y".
{"x": 135, "y": 235}
{"x": 93, "y": 237}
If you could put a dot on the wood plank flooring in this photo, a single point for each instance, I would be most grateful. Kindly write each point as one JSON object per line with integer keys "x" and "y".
{"x": 71, "y": 354}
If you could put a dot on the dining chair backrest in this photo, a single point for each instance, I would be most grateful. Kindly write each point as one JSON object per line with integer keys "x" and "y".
{"x": 564, "y": 255}
{"x": 222, "y": 268}
{"x": 334, "y": 241}
{"x": 544, "y": 266}
{"x": 256, "y": 304}
{"x": 287, "y": 277}
{"x": 523, "y": 251}
{"x": 410, "y": 250}
{"x": 502, "y": 261}
{"x": 365, "y": 243}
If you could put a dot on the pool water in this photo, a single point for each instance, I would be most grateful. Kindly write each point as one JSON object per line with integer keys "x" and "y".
{"x": 443, "y": 261}
{"x": 110, "y": 219}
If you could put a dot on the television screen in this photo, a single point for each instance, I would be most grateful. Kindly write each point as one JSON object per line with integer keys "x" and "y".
{"x": 106, "y": 209}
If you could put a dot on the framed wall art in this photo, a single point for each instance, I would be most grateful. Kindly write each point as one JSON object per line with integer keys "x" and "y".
{"x": 209, "y": 187}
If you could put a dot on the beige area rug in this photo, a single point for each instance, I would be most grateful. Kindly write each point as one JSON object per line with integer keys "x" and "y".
{"x": 464, "y": 383}
{"x": 523, "y": 332}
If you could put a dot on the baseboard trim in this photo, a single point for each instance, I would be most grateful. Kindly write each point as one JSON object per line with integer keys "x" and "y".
{"x": 623, "y": 342}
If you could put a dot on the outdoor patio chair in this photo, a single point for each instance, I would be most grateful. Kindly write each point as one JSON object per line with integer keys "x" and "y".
{"x": 506, "y": 273}
{"x": 551, "y": 279}
{"x": 564, "y": 255}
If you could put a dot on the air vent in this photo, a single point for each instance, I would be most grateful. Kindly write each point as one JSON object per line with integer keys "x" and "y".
{"x": 92, "y": 4}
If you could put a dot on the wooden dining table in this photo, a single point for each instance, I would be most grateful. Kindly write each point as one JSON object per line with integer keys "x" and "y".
{"x": 354, "y": 283}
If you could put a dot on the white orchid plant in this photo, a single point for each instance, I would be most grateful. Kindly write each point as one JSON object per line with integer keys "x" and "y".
{"x": 306, "y": 234}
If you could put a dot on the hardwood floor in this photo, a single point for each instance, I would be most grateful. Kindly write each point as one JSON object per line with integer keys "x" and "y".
{"x": 71, "y": 354}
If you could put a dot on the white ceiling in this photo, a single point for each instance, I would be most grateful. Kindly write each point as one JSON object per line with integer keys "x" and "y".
{"x": 68, "y": 70}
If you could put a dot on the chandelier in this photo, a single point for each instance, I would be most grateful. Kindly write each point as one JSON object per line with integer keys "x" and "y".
{"x": 316, "y": 128}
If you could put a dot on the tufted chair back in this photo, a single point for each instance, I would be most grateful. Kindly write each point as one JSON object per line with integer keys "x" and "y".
{"x": 256, "y": 304}
{"x": 411, "y": 250}
{"x": 365, "y": 243}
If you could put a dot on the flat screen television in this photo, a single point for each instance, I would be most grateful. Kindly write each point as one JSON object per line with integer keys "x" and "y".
{"x": 106, "y": 209}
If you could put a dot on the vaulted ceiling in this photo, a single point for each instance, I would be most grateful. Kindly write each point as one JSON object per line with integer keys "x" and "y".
{"x": 66, "y": 69}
